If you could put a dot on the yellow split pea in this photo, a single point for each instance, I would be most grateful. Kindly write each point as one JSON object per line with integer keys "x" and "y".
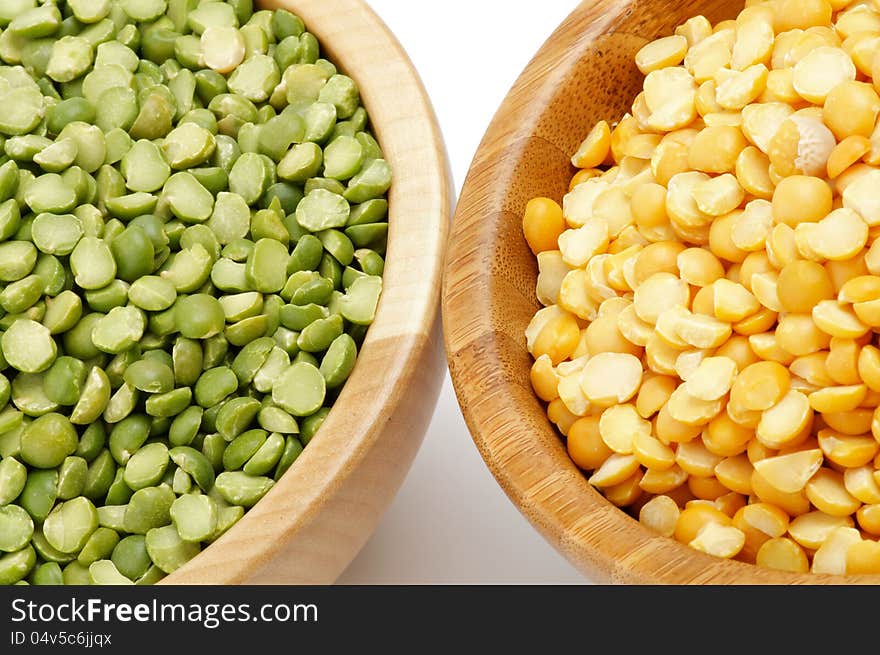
{"x": 711, "y": 290}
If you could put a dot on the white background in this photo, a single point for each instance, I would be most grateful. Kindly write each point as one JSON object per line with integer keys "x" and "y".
{"x": 451, "y": 523}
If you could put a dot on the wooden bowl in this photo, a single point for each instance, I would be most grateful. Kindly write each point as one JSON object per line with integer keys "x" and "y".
{"x": 585, "y": 72}
{"x": 316, "y": 518}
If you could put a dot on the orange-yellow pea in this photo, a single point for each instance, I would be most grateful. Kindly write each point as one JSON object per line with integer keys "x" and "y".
{"x": 543, "y": 223}
{"x": 585, "y": 445}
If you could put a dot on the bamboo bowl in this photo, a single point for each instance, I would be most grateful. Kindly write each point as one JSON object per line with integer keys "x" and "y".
{"x": 585, "y": 72}
{"x": 316, "y": 518}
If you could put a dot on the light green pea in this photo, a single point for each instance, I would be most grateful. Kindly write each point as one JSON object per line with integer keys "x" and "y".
{"x": 189, "y": 268}
{"x": 322, "y": 210}
{"x": 48, "y": 440}
{"x": 39, "y": 493}
{"x": 119, "y": 143}
{"x": 48, "y": 573}
{"x": 104, "y": 572}
{"x": 251, "y": 358}
{"x": 94, "y": 398}
{"x": 37, "y": 22}
{"x": 183, "y": 88}
{"x": 146, "y": 466}
{"x": 188, "y": 199}
{"x": 71, "y": 57}
{"x": 75, "y": 573}
{"x": 13, "y": 476}
{"x": 275, "y": 365}
{"x": 249, "y": 177}
{"x": 230, "y": 218}
{"x": 194, "y": 517}
{"x": 64, "y": 381}
{"x": 28, "y": 346}
{"x": 69, "y": 526}
{"x": 242, "y": 305}
{"x": 266, "y": 267}
{"x": 48, "y": 193}
{"x": 92, "y": 441}
{"x": 266, "y": 457}
{"x": 89, "y": 11}
{"x": 152, "y": 293}
{"x": 92, "y": 263}
{"x": 17, "y": 259}
{"x": 301, "y": 162}
{"x": 58, "y": 156}
{"x": 99, "y": 546}
{"x": 307, "y": 288}
{"x": 228, "y": 275}
{"x": 199, "y": 316}
{"x": 15, "y": 566}
{"x": 56, "y": 234}
{"x": 239, "y": 488}
{"x": 300, "y": 390}
{"x": 23, "y": 110}
{"x": 275, "y": 419}
{"x": 255, "y": 78}
{"x": 292, "y": 450}
{"x": 226, "y": 517}
{"x": 23, "y": 148}
{"x": 144, "y": 167}
{"x": 371, "y": 211}
{"x": 5, "y": 391}
{"x": 22, "y": 294}
{"x": 29, "y": 397}
{"x": 201, "y": 234}
{"x": 339, "y": 360}
{"x": 303, "y": 83}
{"x": 91, "y": 147}
{"x": 343, "y": 158}
{"x": 16, "y": 528}
{"x": 170, "y": 403}
{"x": 187, "y": 359}
{"x": 100, "y": 477}
{"x": 268, "y": 224}
{"x": 155, "y": 119}
{"x": 112, "y": 516}
{"x": 195, "y": 464}
{"x": 188, "y": 145}
{"x": 113, "y": 295}
{"x": 318, "y": 335}
{"x": 127, "y": 436}
{"x": 130, "y": 556}
{"x": 245, "y": 331}
{"x": 148, "y": 508}
{"x": 361, "y": 300}
{"x": 236, "y": 415}
{"x": 119, "y": 330}
{"x": 167, "y": 549}
{"x": 371, "y": 182}
{"x": 185, "y": 426}
{"x": 214, "y": 385}
{"x": 150, "y": 375}
{"x": 320, "y": 119}
{"x": 363, "y": 236}
{"x": 121, "y": 404}
{"x": 10, "y": 216}
{"x": 72, "y": 476}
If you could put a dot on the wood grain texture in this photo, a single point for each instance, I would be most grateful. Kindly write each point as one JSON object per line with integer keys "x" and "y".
{"x": 585, "y": 72}
{"x": 313, "y": 522}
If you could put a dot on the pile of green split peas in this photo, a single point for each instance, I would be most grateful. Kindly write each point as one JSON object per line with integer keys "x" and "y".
{"x": 193, "y": 219}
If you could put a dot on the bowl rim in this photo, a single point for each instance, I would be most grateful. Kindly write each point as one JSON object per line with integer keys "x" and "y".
{"x": 392, "y": 409}
{"x": 599, "y": 539}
